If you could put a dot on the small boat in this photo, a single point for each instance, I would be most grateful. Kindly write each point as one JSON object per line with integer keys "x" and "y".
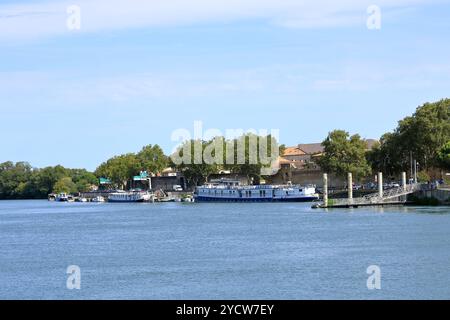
{"x": 187, "y": 199}
{"x": 81, "y": 199}
{"x": 51, "y": 197}
{"x": 129, "y": 196}
{"x": 98, "y": 199}
{"x": 165, "y": 199}
{"x": 62, "y": 197}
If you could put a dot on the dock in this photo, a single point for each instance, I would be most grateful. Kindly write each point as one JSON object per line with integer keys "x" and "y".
{"x": 389, "y": 197}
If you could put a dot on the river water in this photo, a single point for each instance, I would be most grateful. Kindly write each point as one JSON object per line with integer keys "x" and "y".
{"x": 222, "y": 251}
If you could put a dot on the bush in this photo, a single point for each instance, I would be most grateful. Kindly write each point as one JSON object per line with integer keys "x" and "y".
{"x": 423, "y": 176}
{"x": 447, "y": 180}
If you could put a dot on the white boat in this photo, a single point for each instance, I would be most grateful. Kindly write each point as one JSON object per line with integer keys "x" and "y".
{"x": 98, "y": 199}
{"x": 129, "y": 196}
{"x": 62, "y": 197}
{"x": 187, "y": 199}
{"x": 232, "y": 191}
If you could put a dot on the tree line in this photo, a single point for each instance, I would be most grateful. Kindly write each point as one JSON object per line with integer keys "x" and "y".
{"x": 423, "y": 136}
{"x": 21, "y": 181}
{"x": 249, "y": 155}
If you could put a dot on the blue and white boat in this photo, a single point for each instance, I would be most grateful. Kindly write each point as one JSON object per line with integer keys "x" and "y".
{"x": 62, "y": 197}
{"x": 232, "y": 191}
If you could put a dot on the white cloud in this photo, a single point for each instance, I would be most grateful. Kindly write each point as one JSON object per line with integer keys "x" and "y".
{"x": 36, "y": 20}
{"x": 59, "y": 89}
{"x": 367, "y": 76}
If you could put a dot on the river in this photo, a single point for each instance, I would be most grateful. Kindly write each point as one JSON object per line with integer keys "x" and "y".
{"x": 222, "y": 251}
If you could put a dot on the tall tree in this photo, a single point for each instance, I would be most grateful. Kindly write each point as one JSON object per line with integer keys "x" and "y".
{"x": 66, "y": 185}
{"x": 120, "y": 169}
{"x": 153, "y": 159}
{"x": 83, "y": 179}
{"x": 246, "y": 155}
{"x": 420, "y": 135}
{"x": 192, "y": 163}
{"x": 252, "y": 154}
{"x": 444, "y": 156}
{"x": 14, "y": 178}
{"x": 344, "y": 153}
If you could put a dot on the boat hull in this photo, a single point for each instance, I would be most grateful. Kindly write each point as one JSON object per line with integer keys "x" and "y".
{"x": 219, "y": 199}
{"x": 125, "y": 201}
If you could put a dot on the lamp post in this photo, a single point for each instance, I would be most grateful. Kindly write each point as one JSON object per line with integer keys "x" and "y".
{"x": 416, "y": 166}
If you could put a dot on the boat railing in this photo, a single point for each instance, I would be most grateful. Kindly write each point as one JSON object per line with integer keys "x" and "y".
{"x": 254, "y": 187}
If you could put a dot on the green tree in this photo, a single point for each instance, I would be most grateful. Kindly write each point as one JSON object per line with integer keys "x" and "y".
{"x": 83, "y": 179}
{"x": 193, "y": 166}
{"x": 120, "y": 169}
{"x": 66, "y": 185}
{"x": 256, "y": 156}
{"x": 384, "y": 157}
{"x": 245, "y": 155}
{"x": 444, "y": 156}
{"x": 421, "y": 135}
{"x": 14, "y": 178}
{"x": 153, "y": 159}
{"x": 282, "y": 148}
{"x": 344, "y": 153}
{"x": 48, "y": 176}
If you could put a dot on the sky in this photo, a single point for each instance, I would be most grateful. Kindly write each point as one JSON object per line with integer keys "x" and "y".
{"x": 136, "y": 71}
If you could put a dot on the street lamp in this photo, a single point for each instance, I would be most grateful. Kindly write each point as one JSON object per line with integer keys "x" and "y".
{"x": 416, "y": 168}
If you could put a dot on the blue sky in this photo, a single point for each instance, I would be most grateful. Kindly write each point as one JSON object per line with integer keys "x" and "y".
{"x": 136, "y": 71}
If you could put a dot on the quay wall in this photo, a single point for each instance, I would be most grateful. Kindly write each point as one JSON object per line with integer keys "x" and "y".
{"x": 306, "y": 176}
{"x": 441, "y": 195}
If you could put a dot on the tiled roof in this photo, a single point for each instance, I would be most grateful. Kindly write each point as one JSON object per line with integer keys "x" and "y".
{"x": 293, "y": 151}
{"x": 316, "y": 148}
{"x": 311, "y": 148}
